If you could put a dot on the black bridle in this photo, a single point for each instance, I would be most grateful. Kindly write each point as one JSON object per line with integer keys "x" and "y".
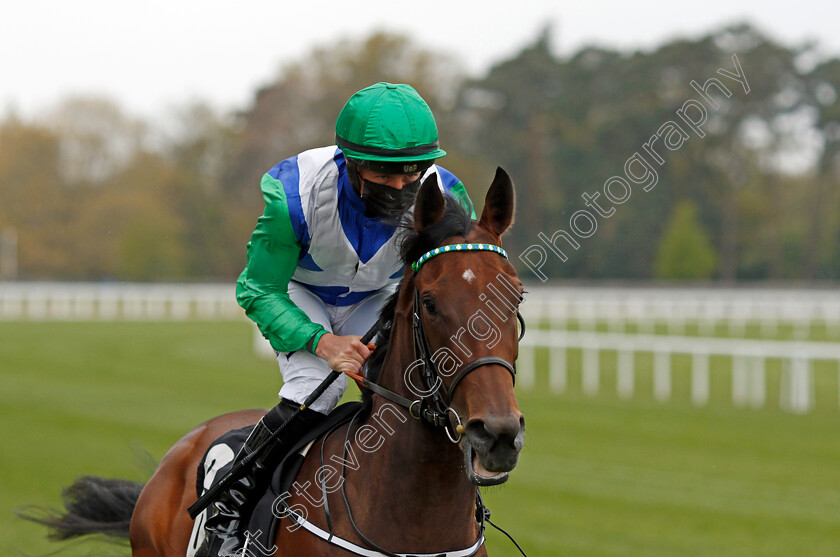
{"x": 434, "y": 408}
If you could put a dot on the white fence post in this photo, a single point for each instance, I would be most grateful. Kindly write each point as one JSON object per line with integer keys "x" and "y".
{"x": 84, "y": 304}
{"x": 156, "y": 306}
{"x": 59, "y": 306}
{"x": 676, "y": 321}
{"x": 525, "y": 366}
{"x": 625, "y": 373}
{"x": 558, "y": 317}
{"x": 11, "y": 305}
{"x": 132, "y": 305}
{"x": 740, "y": 380}
{"x": 557, "y": 374}
{"x": 180, "y": 307}
{"x": 758, "y": 381}
{"x": 36, "y": 306}
{"x": 590, "y": 381}
{"x": 700, "y": 378}
{"x": 662, "y": 375}
{"x": 709, "y": 313}
{"x": 586, "y": 316}
{"x": 832, "y": 320}
{"x": 798, "y": 386}
{"x": 615, "y": 321}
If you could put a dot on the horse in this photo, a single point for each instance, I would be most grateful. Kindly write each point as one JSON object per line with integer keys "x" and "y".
{"x": 403, "y": 474}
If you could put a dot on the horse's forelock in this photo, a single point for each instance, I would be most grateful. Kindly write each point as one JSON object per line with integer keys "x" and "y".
{"x": 455, "y": 221}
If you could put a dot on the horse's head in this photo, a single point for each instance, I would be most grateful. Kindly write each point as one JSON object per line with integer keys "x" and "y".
{"x": 467, "y": 300}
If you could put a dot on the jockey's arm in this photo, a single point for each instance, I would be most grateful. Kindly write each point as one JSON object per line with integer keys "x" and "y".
{"x": 262, "y": 288}
{"x": 459, "y": 193}
{"x": 455, "y": 188}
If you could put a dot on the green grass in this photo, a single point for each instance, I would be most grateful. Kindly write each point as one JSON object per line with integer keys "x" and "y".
{"x": 599, "y": 476}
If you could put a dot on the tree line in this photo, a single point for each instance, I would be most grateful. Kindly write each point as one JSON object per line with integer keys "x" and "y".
{"x": 613, "y": 182}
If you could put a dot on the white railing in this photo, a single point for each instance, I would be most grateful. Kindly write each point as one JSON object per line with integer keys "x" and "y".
{"x": 117, "y": 301}
{"x": 748, "y": 364}
{"x": 732, "y": 308}
{"x": 556, "y": 307}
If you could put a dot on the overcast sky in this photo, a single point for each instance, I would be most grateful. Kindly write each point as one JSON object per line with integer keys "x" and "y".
{"x": 152, "y": 54}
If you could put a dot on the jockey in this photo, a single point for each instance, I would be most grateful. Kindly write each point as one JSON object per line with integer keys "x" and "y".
{"x": 322, "y": 262}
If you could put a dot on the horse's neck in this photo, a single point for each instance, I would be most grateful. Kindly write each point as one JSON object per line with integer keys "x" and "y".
{"x": 430, "y": 485}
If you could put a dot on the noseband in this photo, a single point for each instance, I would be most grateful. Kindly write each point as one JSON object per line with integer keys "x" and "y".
{"x": 435, "y": 407}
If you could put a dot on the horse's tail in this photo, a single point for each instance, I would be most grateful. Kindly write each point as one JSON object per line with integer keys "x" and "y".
{"x": 91, "y": 506}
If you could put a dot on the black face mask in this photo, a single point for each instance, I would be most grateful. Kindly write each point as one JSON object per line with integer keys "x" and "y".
{"x": 386, "y": 202}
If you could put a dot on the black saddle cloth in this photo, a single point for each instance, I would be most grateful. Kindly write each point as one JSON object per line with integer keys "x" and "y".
{"x": 266, "y": 518}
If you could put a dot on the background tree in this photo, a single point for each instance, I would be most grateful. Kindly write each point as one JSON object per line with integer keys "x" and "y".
{"x": 96, "y": 138}
{"x": 685, "y": 252}
{"x": 33, "y": 201}
{"x": 298, "y": 110}
{"x": 823, "y": 255}
{"x": 94, "y": 193}
{"x": 626, "y": 97}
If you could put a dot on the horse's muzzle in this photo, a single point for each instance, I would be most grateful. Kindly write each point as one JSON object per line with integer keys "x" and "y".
{"x": 492, "y": 446}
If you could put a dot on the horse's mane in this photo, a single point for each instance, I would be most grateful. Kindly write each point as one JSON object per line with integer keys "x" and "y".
{"x": 456, "y": 221}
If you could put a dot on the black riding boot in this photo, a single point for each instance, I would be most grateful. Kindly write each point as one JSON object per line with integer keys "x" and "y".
{"x": 228, "y": 515}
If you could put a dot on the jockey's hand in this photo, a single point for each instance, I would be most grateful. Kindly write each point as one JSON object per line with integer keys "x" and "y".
{"x": 342, "y": 353}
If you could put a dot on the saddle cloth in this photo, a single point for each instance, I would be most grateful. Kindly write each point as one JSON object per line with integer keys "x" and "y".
{"x": 218, "y": 460}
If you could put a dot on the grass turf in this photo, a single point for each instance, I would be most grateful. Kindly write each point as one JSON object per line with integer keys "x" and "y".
{"x": 599, "y": 476}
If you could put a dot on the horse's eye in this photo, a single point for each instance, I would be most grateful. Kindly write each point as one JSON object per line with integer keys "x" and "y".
{"x": 429, "y": 304}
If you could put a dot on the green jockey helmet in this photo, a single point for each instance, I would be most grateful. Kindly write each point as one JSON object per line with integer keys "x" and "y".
{"x": 385, "y": 124}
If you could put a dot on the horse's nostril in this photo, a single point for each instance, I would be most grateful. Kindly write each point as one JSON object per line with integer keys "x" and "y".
{"x": 491, "y": 432}
{"x": 496, "y": 442}
{"x": 478, "y": 434}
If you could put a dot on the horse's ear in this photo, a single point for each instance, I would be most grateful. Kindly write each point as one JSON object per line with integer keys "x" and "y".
{"x": 499, "y": 204}
{"x": 429, "y": 204}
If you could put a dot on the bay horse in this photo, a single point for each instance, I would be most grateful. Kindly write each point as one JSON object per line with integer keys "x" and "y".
{"x": 388, "y": 482}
